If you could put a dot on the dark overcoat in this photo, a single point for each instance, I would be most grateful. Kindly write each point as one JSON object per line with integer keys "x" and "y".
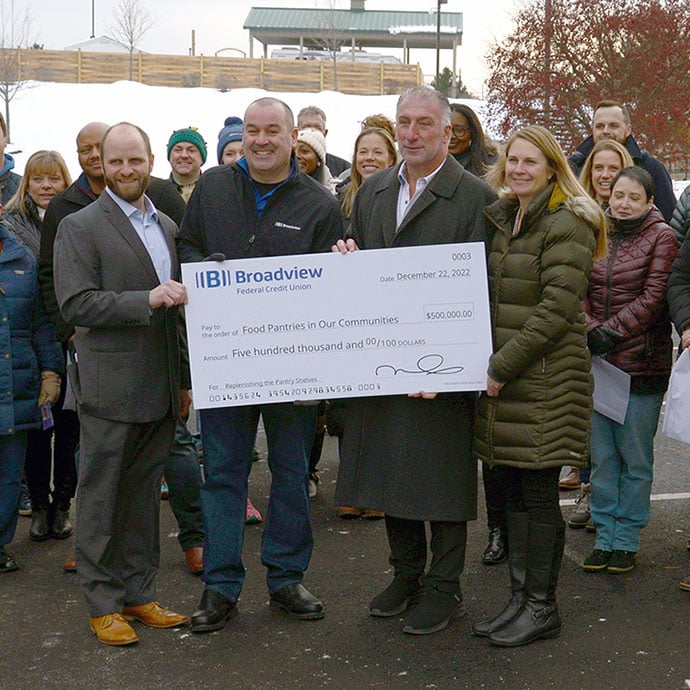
{"x": 408, "y": 457}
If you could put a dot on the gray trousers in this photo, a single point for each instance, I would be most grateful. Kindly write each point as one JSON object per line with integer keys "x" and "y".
{"x": 117, "y": 542}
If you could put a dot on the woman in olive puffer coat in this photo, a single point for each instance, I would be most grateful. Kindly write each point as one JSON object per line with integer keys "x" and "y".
{"x": 535, "y": 415}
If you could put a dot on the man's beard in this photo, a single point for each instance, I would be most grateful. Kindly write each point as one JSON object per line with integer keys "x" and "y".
{"x": 130, "y": 192}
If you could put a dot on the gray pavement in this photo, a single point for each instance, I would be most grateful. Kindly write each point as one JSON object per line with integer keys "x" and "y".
{"x": 630, "y": 631}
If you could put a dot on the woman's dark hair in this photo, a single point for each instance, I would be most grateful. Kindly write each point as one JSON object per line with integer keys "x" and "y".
{"x": 481, "y": 152}
{"x": 639, "y": 175}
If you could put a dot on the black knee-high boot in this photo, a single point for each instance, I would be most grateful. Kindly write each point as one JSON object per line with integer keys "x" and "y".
{"x": 538, "y": 618}
{"x": 517, "y": 562}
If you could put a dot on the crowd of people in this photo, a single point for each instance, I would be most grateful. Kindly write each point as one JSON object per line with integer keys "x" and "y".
{"x": 581, "y": 260}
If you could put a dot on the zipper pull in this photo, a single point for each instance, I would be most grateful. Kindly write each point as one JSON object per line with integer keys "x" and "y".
{"x": 250, "y": 242}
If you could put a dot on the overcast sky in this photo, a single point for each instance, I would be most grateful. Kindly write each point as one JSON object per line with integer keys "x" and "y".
{"x": 218, "y": 24}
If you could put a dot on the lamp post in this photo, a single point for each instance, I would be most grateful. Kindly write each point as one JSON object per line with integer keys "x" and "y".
{"x": 438, "y": 40}
{"x": 93, "y": 18}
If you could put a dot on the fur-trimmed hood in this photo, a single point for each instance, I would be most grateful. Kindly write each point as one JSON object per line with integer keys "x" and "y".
{"x": 550, "y": 200}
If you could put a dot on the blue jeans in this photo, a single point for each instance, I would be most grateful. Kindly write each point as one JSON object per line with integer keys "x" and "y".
{"x": 12, "y": 454}
{"x": 622, "y": 473}
{"x": 183, "y": 476}
{"x": 286, "y": 544}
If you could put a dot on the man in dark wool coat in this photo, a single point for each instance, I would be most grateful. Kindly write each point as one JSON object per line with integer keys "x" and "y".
{"x": 411, "y": 456}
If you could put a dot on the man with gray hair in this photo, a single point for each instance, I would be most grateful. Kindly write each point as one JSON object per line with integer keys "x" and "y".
{"x": 411, "y": 456}
{"x": 312, "y": 116}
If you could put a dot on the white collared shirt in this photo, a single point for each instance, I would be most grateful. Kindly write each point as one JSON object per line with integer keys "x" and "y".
{"x": 405, "y": 202}
{"x": 150, "y": 233}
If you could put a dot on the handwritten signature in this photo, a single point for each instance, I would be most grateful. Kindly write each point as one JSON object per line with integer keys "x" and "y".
{"x": 427, "y": 364}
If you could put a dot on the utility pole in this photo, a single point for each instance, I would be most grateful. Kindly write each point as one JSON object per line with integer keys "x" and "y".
{"x": 547, "y": 62}
{"x": 438, "y": 39}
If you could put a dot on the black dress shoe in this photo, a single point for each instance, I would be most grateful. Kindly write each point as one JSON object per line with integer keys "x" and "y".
{"x": 297, "y": 600}
{"x": 40, "y": 525}
{"x": 62, "y": 525}
{"x": 495, "y": 551}
{"x": 214, "y": 610}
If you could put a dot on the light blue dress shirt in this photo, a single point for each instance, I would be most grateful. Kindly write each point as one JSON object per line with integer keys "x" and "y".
{"x": 150, "y": 233}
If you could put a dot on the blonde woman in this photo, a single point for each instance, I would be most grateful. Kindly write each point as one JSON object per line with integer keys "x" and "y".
{"x": 535, "y": 415}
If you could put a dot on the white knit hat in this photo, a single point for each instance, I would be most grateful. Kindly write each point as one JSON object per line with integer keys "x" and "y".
{"x": 314, "y": 138}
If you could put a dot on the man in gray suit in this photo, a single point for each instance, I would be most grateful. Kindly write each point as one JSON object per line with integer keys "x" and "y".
{"x": 114, "y": 281}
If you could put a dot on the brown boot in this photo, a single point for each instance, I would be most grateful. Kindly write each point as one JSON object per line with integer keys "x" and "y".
{"x": 70, "y": 565}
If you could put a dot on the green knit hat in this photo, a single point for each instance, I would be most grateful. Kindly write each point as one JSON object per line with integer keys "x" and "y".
{"x": 191, "y": 135}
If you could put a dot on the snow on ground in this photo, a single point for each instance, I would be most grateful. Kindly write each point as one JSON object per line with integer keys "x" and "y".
{"x": 49, "y": 115}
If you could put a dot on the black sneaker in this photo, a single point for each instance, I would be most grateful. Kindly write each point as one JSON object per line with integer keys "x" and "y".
{"x": 433, "y": 612}
{"x": 597, "y": 560}
{"x": 621, "y": 562}
{"x": 395, "y": 598}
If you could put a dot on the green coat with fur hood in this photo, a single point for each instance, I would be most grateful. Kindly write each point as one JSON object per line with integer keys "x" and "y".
{"x": 538, "y": 280}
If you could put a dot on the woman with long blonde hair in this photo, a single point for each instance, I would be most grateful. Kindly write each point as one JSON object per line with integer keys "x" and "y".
{"x": 535, "y": 415}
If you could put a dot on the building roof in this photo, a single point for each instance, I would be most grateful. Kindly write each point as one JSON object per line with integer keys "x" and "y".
{"x": 368, "y": 28}
{"x": 103, "y": 44}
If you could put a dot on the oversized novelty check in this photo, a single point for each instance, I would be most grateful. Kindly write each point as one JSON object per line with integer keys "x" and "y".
{"x": 314, "y": 326}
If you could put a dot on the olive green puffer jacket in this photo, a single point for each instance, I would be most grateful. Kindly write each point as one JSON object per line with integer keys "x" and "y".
{"x": 538, "y": 279}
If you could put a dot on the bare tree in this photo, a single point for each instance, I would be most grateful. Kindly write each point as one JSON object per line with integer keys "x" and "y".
{"x": 15, "y": 28}
{"x": 131, "y": 21}
{"x": 332, "y": 35}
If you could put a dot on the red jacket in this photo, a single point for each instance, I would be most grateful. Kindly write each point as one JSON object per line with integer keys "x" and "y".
{"x": 627, "y": 293}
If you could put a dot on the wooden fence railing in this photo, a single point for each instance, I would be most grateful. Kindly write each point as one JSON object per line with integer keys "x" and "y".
{"x": 212, "y": 72}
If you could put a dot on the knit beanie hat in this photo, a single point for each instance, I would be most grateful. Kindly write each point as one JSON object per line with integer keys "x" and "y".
{"x": 232, "y": 131}
{"x": 314, "y": 138}
{"x": 190, "y": 135}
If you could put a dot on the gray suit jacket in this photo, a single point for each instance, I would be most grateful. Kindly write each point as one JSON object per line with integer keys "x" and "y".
{"x": 129, "y": 359}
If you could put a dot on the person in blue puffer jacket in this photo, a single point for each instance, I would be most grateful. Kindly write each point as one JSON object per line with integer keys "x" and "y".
{"x": 30, "y": 366}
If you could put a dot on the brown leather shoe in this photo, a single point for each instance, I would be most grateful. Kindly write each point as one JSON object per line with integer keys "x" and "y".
{"x": 70, "y": 565}
{"x": 370, "y": 514}
{"x": 154, "y": 615}
{"x": 113, "y": 629}
{"x": 195, "y": 559}
{"x": 349, "y": 513}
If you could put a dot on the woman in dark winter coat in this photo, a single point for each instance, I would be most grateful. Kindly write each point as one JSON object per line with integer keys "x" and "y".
{"x": 45, "y": 175}
{"x": 679, "y": 302}
{"x": 470, "y": 147}
{"x": 628, "y": 324}
{"x": 468, "y": 143}
{"x": 535, "y": 415}
{"x": 30, "y": 369}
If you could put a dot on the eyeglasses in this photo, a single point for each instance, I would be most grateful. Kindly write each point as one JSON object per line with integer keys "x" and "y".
{"x": 459, "y": 130}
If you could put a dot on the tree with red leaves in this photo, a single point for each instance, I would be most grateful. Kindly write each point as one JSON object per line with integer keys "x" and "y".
{"x": 564, "y": 56}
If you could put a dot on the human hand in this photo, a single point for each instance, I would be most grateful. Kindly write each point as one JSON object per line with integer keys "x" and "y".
{"x": 685, "y": 338}
{"x": 422, "y": 394}
{"x": 168, "y": 294}
{"x": 185, "y": 403}
{"x": 493, "y": 387}
{"x": 345, "y": 246}
{"x": 50, "y": 388}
